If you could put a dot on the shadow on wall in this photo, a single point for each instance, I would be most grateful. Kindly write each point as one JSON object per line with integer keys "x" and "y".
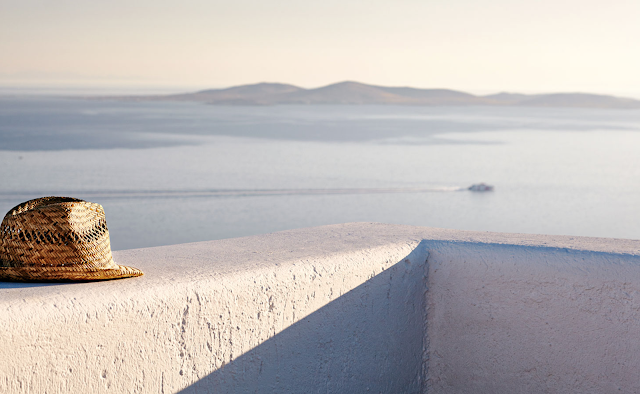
{"x": 369, "y": 340}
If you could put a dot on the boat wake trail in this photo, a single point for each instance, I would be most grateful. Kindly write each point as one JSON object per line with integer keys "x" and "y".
{"x": 234, "y": 192}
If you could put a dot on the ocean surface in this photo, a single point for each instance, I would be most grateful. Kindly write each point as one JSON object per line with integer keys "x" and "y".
{"x": 169, "y": 173}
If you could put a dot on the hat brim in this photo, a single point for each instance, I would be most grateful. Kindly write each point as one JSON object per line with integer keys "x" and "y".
{"x": 66, "y": 274}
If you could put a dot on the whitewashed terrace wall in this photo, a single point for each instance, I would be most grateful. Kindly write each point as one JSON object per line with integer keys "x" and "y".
{"x": 353, "y": 308}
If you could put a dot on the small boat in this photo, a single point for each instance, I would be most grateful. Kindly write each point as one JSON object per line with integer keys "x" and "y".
{"x": 481, "y": 187}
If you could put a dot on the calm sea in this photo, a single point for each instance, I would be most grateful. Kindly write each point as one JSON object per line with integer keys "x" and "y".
{"x": 170, "y": 173}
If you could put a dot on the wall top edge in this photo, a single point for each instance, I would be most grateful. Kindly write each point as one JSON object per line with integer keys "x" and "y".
{"x": 216, "y": 263}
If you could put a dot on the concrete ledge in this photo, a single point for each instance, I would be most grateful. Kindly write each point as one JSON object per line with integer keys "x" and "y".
{"x": 337, "y": 309}
{"x": 286, "y": 312}
{"x": 513, "y": 319}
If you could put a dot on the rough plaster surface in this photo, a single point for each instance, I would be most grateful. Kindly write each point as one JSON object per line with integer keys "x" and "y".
{"x": 316, "y": 310}
{"x": 512, "y": 319}
{"x": 338, "y": 309}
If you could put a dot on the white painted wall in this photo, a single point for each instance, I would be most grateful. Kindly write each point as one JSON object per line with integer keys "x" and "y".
{"x": 511, "y": 319}
{"x": 316, "y": 310}
{"x": 338, "y": 309}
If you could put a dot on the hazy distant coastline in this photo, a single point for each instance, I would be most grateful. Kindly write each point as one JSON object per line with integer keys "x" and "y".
{"x": 355, "y": 93}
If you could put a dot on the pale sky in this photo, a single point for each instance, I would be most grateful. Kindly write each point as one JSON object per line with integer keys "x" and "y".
{"x": 478, "y": 46}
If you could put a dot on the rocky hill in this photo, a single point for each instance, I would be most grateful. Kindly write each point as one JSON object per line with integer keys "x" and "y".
{"x": 355, "y": 93}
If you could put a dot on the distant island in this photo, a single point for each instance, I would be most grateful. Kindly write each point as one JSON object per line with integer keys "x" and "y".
{"x": 356, "y": 93}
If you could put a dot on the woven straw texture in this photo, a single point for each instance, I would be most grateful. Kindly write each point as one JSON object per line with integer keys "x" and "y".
{"x": 57, "y": 239}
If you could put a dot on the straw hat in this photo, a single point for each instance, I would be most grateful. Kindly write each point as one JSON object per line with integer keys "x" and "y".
{"x": 57, "y": 239}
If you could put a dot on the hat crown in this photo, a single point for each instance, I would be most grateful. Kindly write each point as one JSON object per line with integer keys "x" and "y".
{"x": 55, "y": 232}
